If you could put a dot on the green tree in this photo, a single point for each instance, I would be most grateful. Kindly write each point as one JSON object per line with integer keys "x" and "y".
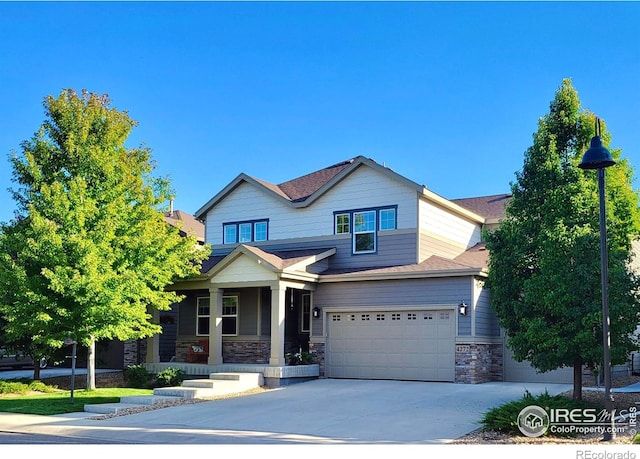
{"x": 88, "y": 254}
{"x": 544, "y": 268}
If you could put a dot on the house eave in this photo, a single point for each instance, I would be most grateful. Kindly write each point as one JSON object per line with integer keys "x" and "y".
{"x": 452, "y": 206}
{"x": 364, "y": 276}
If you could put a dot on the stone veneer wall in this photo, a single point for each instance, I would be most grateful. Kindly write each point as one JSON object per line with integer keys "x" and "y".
{"x": 135, "y": 352}
{"x": 478, "y": 363}
{"x": 317, "y": 349}
{"x": 246, "y": 351}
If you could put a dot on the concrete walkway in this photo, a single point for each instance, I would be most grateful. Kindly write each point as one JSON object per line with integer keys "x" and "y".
{"x": 321, "y": 412}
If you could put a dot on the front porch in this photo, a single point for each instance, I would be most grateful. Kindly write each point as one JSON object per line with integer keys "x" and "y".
{"x": 274, "y": 376}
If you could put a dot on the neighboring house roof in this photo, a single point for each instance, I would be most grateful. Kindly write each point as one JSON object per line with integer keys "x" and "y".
{"x": 490, "y": 207}
{"x": 187, "y": 223}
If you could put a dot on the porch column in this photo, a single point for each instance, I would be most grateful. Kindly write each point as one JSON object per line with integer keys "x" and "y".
{"x": 153, "y": 342}
{"x": 215, "y": 326}
{"x": 277, "y": 325}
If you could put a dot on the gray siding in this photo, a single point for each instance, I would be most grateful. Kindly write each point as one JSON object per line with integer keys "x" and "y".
{"x": 486, "y": 320}
{"x": 187, "y": 312}
{"x": 248, "y": 311}
{"x": 396, "y": 294}
{"x": 394, "y": 248}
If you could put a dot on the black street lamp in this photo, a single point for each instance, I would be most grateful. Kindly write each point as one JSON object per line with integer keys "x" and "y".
{"x": 598, "y": 157}
{"x": 71, "y": 342}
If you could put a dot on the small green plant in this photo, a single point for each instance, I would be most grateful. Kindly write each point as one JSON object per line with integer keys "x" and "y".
{"x": 504, "y": 418}
{"x": 636, "y": 440}
{"x": 23, "y": 387}
{"x": 170, "y": 377}
{"x": 299, "y": 358}
{"x": 137, "y": 376}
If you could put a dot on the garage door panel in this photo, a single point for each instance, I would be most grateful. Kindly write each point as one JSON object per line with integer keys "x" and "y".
{"x": 408, "y": 345}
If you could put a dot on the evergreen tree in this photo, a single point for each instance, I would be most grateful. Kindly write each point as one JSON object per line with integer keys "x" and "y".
{"x": 545, "y": 257}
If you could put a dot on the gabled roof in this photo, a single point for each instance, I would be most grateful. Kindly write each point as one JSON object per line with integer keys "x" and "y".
{"x": 490, "y": 207}
{"x": 304, "y": 190}
{"x": 276, "y": 260}
{"x": 186, "y": 223}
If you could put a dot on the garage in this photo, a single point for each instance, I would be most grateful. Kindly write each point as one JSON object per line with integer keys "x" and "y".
{"x": 515, "y": 371}
{"x": 414, "y": 345}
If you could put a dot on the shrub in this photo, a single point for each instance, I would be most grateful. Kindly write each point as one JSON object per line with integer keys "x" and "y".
{"x": 170, "y": 377}
{"x": 138, "y": 377}
{"x": 22, "y": 387}
{"x": 504, "y": 418}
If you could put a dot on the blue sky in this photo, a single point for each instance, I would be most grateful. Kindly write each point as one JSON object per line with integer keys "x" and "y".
{"x": 447, "y": 94}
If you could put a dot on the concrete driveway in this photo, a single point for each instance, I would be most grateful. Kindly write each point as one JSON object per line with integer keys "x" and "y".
{"x": 325, "y": 411}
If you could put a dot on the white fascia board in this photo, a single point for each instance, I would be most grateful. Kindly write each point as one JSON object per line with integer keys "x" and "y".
{"x": 436, "y": 198}
{"x": 352, "y": 277}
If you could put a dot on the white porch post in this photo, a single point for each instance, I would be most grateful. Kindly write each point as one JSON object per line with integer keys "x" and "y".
{"x": 153, "y": 342}
{"x": 277, "y": 325}
{"x": 215, "y": 326}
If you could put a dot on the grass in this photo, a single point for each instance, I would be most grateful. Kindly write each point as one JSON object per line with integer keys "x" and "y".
{"x": 35, "y": 397}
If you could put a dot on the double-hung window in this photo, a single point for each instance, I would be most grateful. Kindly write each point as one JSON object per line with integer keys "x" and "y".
{"x": 364, "y": 224}
{"x": 305, "y": 316}
{"x": 248, "y": 231}
{"x": 364, "y": 231}
{"x": 229, "y": 316}
{"x": 202, "y": 316}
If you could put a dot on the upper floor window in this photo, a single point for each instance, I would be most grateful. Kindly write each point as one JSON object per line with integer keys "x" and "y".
{"x": 249, "y": 231}
{"x": 364, "y": 224}
{"x": 364, "y": 231}
{"x": 342, "y": 223}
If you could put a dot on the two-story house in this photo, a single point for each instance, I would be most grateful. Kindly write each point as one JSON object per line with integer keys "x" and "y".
{"x": 375, "y": 275}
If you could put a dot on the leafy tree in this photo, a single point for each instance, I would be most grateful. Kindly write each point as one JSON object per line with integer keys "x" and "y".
{"x": 88, "y": 254}
{"x": 545, "y": 257}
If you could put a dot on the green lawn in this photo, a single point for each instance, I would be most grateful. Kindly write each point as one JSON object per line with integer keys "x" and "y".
{"x": 54, "y": 401}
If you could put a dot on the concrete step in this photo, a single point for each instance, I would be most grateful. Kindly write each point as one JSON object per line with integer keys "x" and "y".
{"x": 245, "y": 380}
{"x": 147, "y": 399}
{"x": 108, "y": 408}
{"x": 130, "y": 401}
{"x": 217, "y": 384}
{"x": 187, "y": 393}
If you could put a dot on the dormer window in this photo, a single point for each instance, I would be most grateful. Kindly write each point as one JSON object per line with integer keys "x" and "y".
{"x": 363, "y": 224}
{"x": 247, "y": 231}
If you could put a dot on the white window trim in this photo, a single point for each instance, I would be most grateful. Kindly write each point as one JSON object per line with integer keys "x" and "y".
{"x": 202, "y": 316}
{"x": 373, "y": 232}
{"x": 305, "y": 310}
{"x": 231, "y": 315}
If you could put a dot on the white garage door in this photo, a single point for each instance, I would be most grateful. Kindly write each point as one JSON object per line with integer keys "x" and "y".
{"x": 404, "y": 345}
{"x": 523, "y": 371}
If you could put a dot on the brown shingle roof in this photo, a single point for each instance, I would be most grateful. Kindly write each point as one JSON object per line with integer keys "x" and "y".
{"x": 186, "y": 222}
{"x": 301, "y": 188}
{"x": 488, "y": 206}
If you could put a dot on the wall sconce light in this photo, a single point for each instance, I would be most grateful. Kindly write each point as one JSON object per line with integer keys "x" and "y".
{"x": 462, "y": 308}
{"x": 316, "y": 312}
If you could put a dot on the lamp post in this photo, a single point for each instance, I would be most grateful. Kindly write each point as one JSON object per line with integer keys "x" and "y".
{"x": 598, "y": 157}
{"x": 71, "y": 342}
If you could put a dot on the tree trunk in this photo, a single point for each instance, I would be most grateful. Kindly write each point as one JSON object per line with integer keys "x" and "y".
{"x": 91, "y": 365}
{"x": 36, "y": 369}
{"x": 577, "y": 379}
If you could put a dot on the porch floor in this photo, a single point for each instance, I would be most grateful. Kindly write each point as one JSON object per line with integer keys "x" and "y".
{"x": 274, "y": 376}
